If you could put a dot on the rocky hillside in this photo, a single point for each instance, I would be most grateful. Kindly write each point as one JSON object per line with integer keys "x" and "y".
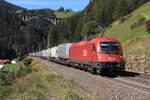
{"x": 8, "y": 6}
{"x": 131, "y": 30}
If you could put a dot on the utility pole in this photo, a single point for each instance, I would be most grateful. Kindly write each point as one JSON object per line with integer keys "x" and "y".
{"x": 48, "y": 41}
{"x": 39, "y": 50}
{"x": 47, "y": 45}
{"x": 102, "y": 30}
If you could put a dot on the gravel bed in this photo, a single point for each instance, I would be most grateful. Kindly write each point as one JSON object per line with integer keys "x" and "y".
{"x": 98, "y": 87}
{"x": 139, "y": 80}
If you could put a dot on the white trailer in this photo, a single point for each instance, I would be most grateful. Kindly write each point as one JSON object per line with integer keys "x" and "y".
{"x": 63, "y": 50}
{"x": 54, "y": 52}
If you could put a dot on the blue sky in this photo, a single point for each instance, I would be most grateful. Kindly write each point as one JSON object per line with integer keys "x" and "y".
{"x": 76, "y": 5}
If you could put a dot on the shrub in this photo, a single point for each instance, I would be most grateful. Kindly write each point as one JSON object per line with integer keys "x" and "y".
{"x": 147, "y": 25}
{"x": 27, "y": 62}
{"x": 128, "y": 16}
{"x": 121, "y": 20}
{"x": 6, "y": 78}
{"x": 5, "y": 91}
{"x": 139, "y": 23}
{"x": 124, "y": 18}
{"x": 23, "y": 70}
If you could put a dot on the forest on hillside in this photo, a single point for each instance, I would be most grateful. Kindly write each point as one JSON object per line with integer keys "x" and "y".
{"x": 85, "y": 23}
{"x": 20, "y": 36}
{"x": 33, "y": 36}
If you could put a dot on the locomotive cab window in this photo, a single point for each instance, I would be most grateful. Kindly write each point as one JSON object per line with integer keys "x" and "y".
{"x": 109, "y": 47}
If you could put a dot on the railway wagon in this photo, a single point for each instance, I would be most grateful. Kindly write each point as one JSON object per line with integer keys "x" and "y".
{"x": 54, "y": 52}
{"x": 43, "y": 54}
{"x": 46, "y": 53}
{"x": 98, "y": 55}
{"x": 63, "y": 52}
{"x": 37, "y": 54}
{"x": 40, "y": 54}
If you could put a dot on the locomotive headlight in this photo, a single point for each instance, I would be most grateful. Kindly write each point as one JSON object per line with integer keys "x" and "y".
{"x": 121, "y": 57}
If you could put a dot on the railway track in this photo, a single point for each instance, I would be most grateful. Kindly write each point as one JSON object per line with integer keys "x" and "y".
{"x": 144, "y": 76}
{"x": 139, "y": 83}
{"x": 121, "y": 87}
{"x": 130, "y": 83}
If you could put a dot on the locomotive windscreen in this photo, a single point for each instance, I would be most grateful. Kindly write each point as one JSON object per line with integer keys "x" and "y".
{"x": 109, "y": 47}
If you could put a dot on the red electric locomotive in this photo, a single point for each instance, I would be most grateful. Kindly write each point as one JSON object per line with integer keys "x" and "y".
{"x": 98, "y": 54}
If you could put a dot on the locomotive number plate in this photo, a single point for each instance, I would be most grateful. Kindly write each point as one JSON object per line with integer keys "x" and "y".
{"x": 84, "y": 52}
{"x": 111, "y": 58}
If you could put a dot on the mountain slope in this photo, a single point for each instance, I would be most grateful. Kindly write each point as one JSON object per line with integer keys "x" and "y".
{"x": 130, "y": 30}
{"x": 8, "y": 6}
{"x": 97, "y": 13}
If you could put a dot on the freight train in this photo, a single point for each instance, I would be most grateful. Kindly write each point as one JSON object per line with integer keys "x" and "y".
{"x": 97, "y": 55}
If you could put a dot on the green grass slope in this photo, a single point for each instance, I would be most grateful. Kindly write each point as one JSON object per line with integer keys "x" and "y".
{"x": 8, "y": 67}
{"x": 131, "y": 31}
{"x": 64, "y": 14}
{"x": 31, "y": 79}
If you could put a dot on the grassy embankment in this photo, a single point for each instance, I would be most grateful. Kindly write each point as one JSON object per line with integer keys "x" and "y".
{"x": 37, "y": 82}
{"x": 8, "y": 67}
{"x": 131, "y": 31}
